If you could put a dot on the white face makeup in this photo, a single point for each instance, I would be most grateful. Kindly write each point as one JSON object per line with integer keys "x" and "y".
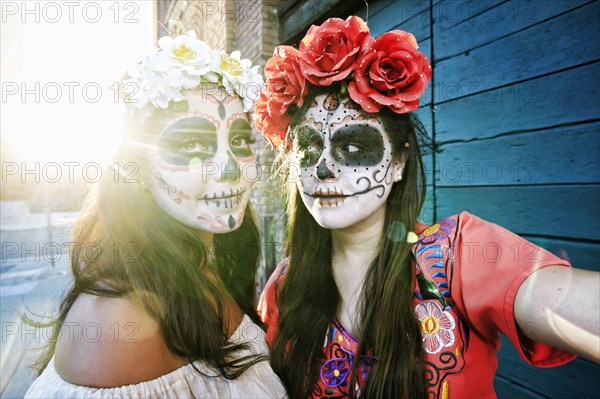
{"x": 202, "y": 167}
{"x": 346, "y": 163}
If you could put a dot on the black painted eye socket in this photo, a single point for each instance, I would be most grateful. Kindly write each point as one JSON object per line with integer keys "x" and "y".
{"x": 240, "y": 138}
{"x": 193, "y": 145}
{"x": 357, "y": 145}
{"x": 309, "y": 147}
{"x": 349, "y": 150}
{"x": 187, "y": 139}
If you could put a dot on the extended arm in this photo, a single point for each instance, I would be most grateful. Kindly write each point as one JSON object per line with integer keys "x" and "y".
{"x": 560, "y": 306}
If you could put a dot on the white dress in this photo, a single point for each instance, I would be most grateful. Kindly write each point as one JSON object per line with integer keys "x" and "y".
{"x": 259, "y": 381}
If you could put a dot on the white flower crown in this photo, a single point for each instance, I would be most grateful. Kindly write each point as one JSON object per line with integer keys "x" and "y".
{"x": 183, "y": 63}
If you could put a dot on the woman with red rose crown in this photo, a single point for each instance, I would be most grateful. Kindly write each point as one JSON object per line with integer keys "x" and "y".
{"x": 370, "y": 302}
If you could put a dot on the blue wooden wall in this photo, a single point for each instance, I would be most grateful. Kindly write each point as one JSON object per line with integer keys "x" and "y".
{"x": 514, "y": 104}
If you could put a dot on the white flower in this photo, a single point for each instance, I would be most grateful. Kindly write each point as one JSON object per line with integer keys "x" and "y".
{"x": 181, "y": 63}
{"x": 250, "y": 87}
{"x": 154, "y": 87}
{"x": 192, "y": 56}
{"x": 184, "y": 47}
{"x": 232, "y": 70}
{"x": 241, "y": 77}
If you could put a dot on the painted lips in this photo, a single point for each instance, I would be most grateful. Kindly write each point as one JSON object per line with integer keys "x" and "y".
{"x": 329, "y": 197}
{"x": 226, "y": 199}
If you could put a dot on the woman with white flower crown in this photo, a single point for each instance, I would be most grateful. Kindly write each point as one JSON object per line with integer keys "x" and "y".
{"x": 371, "y": 303}
{"x": 165, "y": 305}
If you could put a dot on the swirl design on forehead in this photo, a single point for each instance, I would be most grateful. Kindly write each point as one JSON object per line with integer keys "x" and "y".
{"x": 212, "y": 98}
{"x": 331, "y": 104}
{"x": 184, "y": 115}
{"x": 230, "y": 99}
{"x": 354, "y": 118}
{"x": 221, "y": 109}
{"x": 312, "y": 121}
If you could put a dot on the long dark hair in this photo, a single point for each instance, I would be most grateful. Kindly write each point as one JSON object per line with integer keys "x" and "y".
{"x": 127, "y": 245}
{"x": 309, "y": 296}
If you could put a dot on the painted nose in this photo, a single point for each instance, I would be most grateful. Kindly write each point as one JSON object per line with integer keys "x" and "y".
{"x": 323, "y": 171}
{"x": 231, "y": 171}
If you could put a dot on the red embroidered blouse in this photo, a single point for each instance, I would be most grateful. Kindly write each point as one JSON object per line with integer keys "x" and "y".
{"x": 468, "y": 272}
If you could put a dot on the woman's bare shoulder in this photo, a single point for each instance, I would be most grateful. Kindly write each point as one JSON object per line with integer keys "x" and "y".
{"x": 110, "y": 342}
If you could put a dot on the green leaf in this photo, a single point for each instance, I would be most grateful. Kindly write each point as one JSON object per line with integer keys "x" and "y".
{"x": 344, "y": 88}
{"x": 181, "y": 106}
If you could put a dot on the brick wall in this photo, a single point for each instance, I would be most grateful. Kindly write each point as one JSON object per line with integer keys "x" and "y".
{"x": 270, "y": 28}
{"x": 206, "y": 17}
{"x": 249, "y": 26}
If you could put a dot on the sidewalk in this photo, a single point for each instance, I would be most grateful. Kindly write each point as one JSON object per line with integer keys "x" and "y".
{"x": 24, "y": 288}
{"x": 29, "y": 283}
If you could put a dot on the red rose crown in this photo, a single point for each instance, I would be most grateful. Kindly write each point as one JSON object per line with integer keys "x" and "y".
{"x": 388, "y": 71}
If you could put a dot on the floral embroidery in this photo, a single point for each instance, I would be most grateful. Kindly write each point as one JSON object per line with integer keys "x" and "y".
{"x": 334, "y": 372}
{"x": 428, "y": 290}
{"x": 437, "y": 231}
{"x": 442, "y": 330}
{"x": 340, "y": 353}
{"x": 436, "y": 326}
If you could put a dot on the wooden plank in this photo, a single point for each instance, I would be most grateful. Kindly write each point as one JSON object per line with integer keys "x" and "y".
{"x": 426, "y": 215}
{"x": 427, "y": 96}
{"x": 285, "y": 6}
{"x": 581, "y": 255}
{"x": 374, "y": 8}
{"x": 557, "y": 99}
{"x": 555, "y": 211}
{"x": 299, "y": 18}
{"x": 294, "y": 25}
{"x": 563, "y": 42}
{"x": 425, "y": 48}
{"x": 506, "y": 389}
{"x": 577, "y": 379}
{"x": 411, "y": 16}
{"x": 425, "y": 114}
{"x": 492, "y": 24}
{"x": 564, "y": 157}
{"x": 447, "y": 14}
{"x": 430, "y": 91}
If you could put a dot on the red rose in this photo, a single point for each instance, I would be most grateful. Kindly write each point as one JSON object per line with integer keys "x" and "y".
{"x": 285, "y": 84}
{"x": 328, "y": 52}
{"x": 391, "y": 73}
{"x": 274, "y": 128}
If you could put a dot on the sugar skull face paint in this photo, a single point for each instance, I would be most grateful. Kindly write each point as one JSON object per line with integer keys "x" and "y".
{"x": 202, "y": 167}
{"x": 347, "y": 167}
